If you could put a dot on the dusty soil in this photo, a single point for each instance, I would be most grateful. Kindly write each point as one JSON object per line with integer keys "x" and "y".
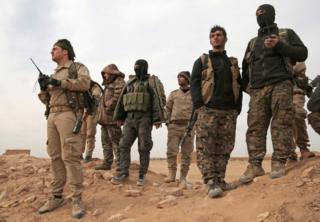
{"x": 25, "y": 182}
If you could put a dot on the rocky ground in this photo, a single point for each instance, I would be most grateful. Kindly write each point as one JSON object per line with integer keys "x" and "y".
{"x": 25, "y": 180}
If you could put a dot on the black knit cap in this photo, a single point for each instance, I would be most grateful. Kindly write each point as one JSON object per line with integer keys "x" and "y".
{"x": 66, "y": 45}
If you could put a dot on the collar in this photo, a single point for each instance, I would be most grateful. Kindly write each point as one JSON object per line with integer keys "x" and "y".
{"x": 66, "y": 65}
{"x": 222, "y": 53}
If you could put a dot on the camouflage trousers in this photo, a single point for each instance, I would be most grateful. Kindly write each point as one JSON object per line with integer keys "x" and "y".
{"x": 300, "y": 134}
{"x": 175, "y": 134}
{"x": 215, "y": 132}
{"x": 314, "y": 121}
{"x": 88, "y": 135}
{"x": 270, "y": 103}
{"x": 137, "y": 125}
{"x": 110, "y": 138}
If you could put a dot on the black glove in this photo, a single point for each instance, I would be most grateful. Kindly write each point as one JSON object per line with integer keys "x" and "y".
{"x": 43, "y": 81}
{"x": 54, "y": 82}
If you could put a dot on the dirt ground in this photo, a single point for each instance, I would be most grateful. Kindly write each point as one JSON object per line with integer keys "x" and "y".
{"x": 25, "y": 185}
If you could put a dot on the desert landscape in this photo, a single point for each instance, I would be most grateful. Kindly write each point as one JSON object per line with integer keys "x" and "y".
{"x": 25, "y": 182}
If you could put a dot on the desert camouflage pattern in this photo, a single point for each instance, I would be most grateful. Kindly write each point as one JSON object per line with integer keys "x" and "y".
{"x": 272, "y": 103}
{"x": 215, "y": 130}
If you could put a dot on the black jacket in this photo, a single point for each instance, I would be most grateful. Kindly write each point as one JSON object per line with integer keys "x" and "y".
{"x": 222, "y": 96}
{"x": 268, "y": 64}
{"x": 314, "y": 101}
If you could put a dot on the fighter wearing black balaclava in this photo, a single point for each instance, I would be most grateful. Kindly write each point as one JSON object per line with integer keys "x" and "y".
{"x": 267, "y": 77}
{"x": 265, "y": 15}
{"x": 141, "y": 69}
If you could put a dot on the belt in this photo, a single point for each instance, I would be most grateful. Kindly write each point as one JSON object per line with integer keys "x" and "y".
{"x": 179, "y": 122}
{"x": 56, "y": 109}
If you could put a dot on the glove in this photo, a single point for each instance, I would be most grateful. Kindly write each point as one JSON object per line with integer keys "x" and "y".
{"x": 43, "y": 81}
{"x": 54, "y": 82}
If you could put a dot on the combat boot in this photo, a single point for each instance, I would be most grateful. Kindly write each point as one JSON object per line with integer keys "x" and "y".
{"x": 227, "y": 186}
{"x": 214, "y": 190}
{"x": 306, "y": 154}
{"x": 78, "y": 210}
{"x": 277, "y": 170}
{"x": 171, "y": 177}
{"x": 251, "y": 172}
{"x": 87, "y": 159}
{"x": 141, "y": 180}
{"x": 183, "y": 179}
{"x": 103, "y": 166}
{"x": 293, "y": 156}
{"x": 51, "y": 204}
{"x": 118, "y": 179}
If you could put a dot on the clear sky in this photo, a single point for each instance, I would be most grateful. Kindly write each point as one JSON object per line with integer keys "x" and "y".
{"x": 169, "y": 34}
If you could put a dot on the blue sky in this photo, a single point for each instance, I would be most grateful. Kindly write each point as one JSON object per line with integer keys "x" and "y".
{"x": 169, "y": 34}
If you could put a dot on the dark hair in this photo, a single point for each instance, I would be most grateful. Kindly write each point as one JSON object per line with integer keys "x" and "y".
{"x": 66, "y": 45}
{"x": 187, "y": 73}
{"x": 218, "y": 28}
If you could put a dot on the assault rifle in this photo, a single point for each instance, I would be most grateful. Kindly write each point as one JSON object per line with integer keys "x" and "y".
{"x": 192, "y": 121}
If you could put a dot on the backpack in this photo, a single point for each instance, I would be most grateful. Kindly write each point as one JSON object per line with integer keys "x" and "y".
{"x": 79, "y": 100}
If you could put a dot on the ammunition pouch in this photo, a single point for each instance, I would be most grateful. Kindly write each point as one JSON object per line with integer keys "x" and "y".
{"x": 136, "y": 101}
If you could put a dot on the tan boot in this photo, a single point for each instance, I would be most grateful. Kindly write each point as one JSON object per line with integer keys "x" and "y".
{"x": 306, "y": 154}
{"x": 277, "y": 170}
{"x": 78, "y": 210}
{"x": 51, "y": 204}
{"x": 251, "y": 172}
{"x": 171, "y": 177}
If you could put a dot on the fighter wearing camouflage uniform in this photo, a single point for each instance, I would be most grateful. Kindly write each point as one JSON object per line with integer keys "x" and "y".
{"x": 140, "y": 106}
{"x": 314, "y": 106}
{"x": 267, "y": 77}
{"x": 89, "y": 126}
{"x": 62, "y": 94}
{"x": 178, "y": 110}
{"x": 216, "y": 95}
{"x": 113, "y": 81}
{"x": 300, "y": 133}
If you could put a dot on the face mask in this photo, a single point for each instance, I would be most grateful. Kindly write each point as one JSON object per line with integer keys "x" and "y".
{"x": 141, "y": 68}
{"x": 265, "y": 15}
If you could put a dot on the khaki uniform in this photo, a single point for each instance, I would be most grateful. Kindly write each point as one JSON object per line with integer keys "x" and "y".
{"x": 89, "y": 126}
{"x": 64, "y": 147}
{"x": 300, "y": 134}
{"x": 178, "y": 111}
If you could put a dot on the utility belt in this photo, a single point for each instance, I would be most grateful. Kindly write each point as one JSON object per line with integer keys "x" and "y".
{"x": 57, "y": 109}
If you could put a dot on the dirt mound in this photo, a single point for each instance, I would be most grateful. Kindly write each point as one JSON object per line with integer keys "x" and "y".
{"x": 25, "y": 181}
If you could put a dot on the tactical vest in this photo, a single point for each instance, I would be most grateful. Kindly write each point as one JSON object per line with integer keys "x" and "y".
{"x": 207, "y": 82}
{"x": 137, "y": 98}
{"x": 283, "y": 35}
{"x": 75, "y": 99}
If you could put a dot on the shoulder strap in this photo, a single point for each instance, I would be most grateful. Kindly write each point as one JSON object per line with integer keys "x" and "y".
{"x": 73, "y": 70}
{"x": 205, "y": 61}
{"x": 97, "y": 84}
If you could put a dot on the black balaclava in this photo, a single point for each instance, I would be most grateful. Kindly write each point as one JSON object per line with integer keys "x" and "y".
{"x": 265, "y": 15}
{"x": 141, "y": 68}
